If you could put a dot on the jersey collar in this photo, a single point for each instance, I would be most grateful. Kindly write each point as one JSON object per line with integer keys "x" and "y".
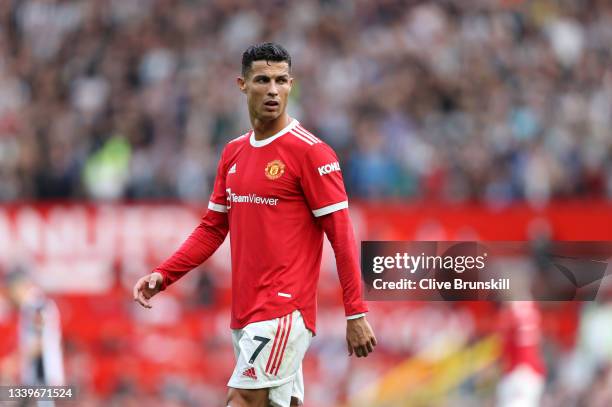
{"x": 265, "y": 142}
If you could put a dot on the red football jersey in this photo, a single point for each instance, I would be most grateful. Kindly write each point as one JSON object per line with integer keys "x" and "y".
{"x": 273, "y": 190}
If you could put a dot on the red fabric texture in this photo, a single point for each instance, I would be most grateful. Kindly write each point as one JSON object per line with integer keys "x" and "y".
{"x": 199, "y": 246}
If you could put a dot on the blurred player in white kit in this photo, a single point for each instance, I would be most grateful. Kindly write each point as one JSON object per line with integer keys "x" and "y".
{"x": 39, "y": 330}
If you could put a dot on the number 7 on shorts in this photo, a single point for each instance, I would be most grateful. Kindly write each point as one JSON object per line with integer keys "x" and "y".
{"x": 264, "y": 342}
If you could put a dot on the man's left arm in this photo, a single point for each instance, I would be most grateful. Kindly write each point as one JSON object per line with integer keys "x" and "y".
{"x": 323, "y": 186}
{"x": 359, "y": 335}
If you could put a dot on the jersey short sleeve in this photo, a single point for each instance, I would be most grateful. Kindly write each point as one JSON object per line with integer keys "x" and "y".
{"x": 218, "y": 199}
{"x": 321, "y": 180}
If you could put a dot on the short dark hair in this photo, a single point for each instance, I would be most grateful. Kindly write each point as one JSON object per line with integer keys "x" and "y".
{"x": 267, "y": 51}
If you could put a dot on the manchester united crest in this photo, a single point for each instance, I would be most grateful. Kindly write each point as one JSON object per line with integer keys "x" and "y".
{"x": 275, "y": 169}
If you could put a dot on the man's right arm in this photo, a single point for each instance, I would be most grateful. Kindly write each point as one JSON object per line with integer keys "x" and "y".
{"x": 199, "y": 246}
{"x": 206, "y": 238}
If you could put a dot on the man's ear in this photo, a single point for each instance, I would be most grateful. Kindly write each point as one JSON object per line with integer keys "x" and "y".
{"x": 241, "y": 84}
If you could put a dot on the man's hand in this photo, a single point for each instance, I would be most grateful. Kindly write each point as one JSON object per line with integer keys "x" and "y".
{"x": 359, "y": 337}
{"x": 147, "y": 287}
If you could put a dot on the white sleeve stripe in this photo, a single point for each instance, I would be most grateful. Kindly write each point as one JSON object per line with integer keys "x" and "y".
{"x": 303, "y": 133}
{"x": 355, "y": 316}
{"x": 302, "y": 138}
{"x": 217, "y": 208}
{"x": 307, "y": 132}
{"x": 309, "y": 135}
{"x": 329, "y": 209}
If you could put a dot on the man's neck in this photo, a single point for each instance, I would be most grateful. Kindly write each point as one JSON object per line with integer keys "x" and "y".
{"x": 265, "y": 129}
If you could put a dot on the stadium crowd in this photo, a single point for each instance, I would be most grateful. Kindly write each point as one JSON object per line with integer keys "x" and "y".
{"x": 449, "y": 100}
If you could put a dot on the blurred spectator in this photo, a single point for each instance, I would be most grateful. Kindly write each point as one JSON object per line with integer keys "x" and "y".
{"x": 448, "y": 100}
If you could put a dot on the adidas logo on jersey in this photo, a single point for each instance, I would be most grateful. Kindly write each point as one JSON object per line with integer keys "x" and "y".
{"x": 232, "y": 170}
{"x": 250, "y": 372}
{"x": 329, "y": 168}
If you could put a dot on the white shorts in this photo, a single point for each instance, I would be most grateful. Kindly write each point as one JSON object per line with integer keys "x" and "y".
{"x": 269, "y": 355}
{"x": 522, "y": 387}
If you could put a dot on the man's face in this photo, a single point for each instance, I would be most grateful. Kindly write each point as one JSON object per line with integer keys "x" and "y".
{"x": 267, "y": 86}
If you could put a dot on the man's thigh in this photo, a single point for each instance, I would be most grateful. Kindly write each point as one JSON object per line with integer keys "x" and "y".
{"x": 252, "y": 398}
{"x": 247, "y": 397}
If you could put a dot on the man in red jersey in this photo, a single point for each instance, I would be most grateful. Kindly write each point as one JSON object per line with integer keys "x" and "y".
{"x": 524, "y": 372}
{"x": 278, "y": 189}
